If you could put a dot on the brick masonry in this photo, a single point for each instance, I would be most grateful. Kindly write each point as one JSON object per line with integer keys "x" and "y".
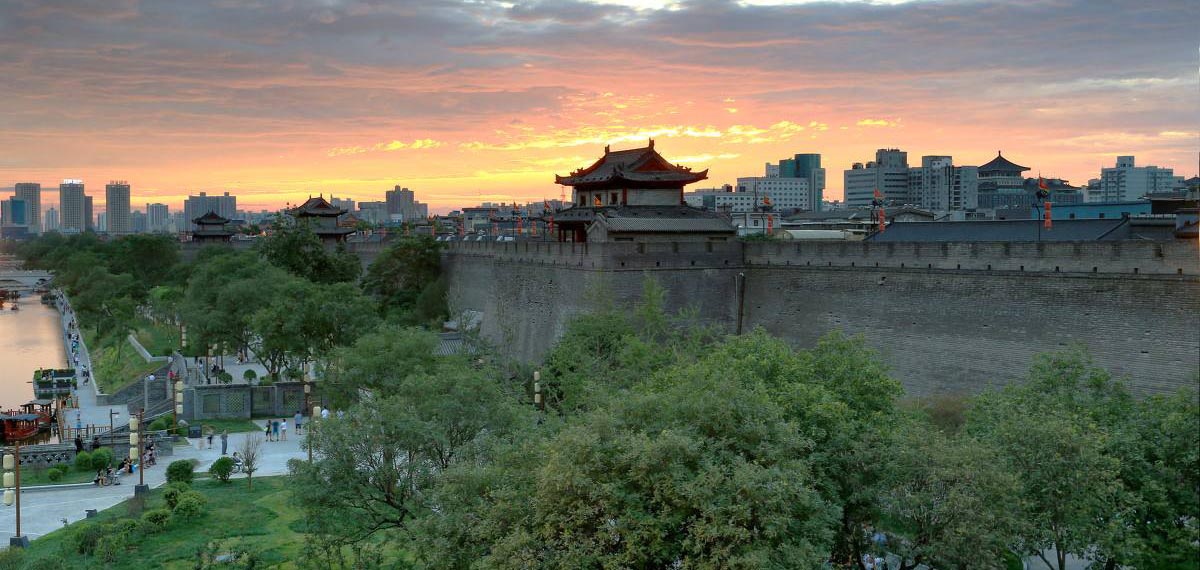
{"x": 947, "y": 318}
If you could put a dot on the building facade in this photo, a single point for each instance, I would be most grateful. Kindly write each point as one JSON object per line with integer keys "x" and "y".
{"x": 782, "y": 192}
{"x": 158, "y": 218}
{"x": 116, "y": 208}
{"x": 194, "y": 207}
{"x": 89, "y": 215}
{"x": 939, "y": 186}
{"x": 71, "y": 207}
{"x": 888, "y": 174}
{"x": 31, "y": 193}
{"x": 51, "y": 222}
{"x": 1127, "y": 182}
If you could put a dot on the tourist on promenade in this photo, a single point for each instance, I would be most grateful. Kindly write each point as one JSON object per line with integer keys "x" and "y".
{"x": 268, "y": 432}
{"x": 299, "y": 421}
{"x": 210, "y": 436}
{"x": 275, "y": 429}
{"x": 224, "y": 441}
{"x": 78, "y": 443}
{"x": 324, "y": 413}
{"x": 283, "y": 429}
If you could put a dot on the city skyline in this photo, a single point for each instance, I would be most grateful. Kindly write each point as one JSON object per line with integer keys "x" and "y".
{"x": 486, "y": 104}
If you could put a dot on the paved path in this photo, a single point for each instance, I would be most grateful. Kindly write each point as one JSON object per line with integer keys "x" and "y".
{"x": 43, "y": 510}
{"x": 88, "y": 412}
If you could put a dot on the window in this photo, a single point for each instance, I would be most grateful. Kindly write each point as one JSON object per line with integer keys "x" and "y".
{"x": 612, "y": 198}
{"x": 1101, "y": 215}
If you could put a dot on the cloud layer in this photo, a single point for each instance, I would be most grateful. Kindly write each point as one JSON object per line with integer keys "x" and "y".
{"x": 461, "y": 99}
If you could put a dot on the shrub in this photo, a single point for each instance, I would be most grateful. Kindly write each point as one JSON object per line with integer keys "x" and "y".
{"x": 180, "y": 471}
{"x": 191, "y": 505}
{"x": 172, "y": 492}
{"x": 110, "y": 547}
{"x": 249, "y": 375}
{"x": 83, "y": 461}
{"x": 54, "y": 475}
{"x": 101, "y": 458}
{"x": 128, "y": 527}
{"x": 156, "y": 520}
{"x": 12, "y": 559}
{"x": 221, "y": 469}
{"x": 50, "y": 562}
{"x": 225, "y": 377}
{"x": 160, "y": 424}
{"x": 86, "y": 535}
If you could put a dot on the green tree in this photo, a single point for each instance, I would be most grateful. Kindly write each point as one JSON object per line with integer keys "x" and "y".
{"x": 304, "y": 322}
{"x": 948, "y": 503}
{"x": 405, "y": 278}
{"x": 294, "y": 247}
{"x": 223, "y": 292}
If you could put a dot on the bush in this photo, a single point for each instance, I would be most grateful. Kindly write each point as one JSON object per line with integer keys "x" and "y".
{"x": 128, "y": 527}
{"x": 249, "y": 375}
{"x": 191, "y": 505}
{"x": 54, "y": 474}
{"x": 172, "y": 492}
{"x": 160, "y": 424}
{"x": 180, "y": 471}
{"x": 86, "y": 535}
{"x": 50, "y": 562}
{"x": 225, "y": 377}
{"x": 12, "y": 559}
{"x": 221, "y": 469}
{"x": 101, "y": 458}
{"x": 156, "y": 520}
{"x": 83, "y": 461}
{"x": 110, "y": 547}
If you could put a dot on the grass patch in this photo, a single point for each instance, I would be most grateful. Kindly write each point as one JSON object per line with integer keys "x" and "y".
{"x": 158, "y": 339}
{"x": 234, "y": 426}
{"x": 33, "y": 477}
{"x": 115, "y": 364}
{"x": 261, "y": 519}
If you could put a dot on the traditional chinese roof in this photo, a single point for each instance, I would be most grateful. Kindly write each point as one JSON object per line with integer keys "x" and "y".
{"x": 635, "y": 167}
{"x": 210, "y": 219}
{"x": 1002, "y": 165}
{"x": 316, "y": 207}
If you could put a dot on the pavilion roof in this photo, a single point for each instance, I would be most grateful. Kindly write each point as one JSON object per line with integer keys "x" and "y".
{"x": 635, "y": 165}
{"x": 211, "y": 219}
{"x": 1001, "y": 164}
{"x": 318, "y": 206}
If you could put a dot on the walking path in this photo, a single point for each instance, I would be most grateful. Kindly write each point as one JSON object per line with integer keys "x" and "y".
{"x": 43, "y": 510}
{"x": 88, "y": 412}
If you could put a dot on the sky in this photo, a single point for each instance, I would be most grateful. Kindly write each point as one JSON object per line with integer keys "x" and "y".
{"x": 466, "y": 101}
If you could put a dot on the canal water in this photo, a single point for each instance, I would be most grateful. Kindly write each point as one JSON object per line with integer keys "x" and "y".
{"x": 30, "y": 338}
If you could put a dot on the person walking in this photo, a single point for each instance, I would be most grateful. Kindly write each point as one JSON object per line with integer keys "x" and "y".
{"x": 78, "y": 444}
{"x": 268, "y": 433}
{"x": 283, "y": 429}
{"x": 275, "y": 429}
{"x": 324, "y": 413}
{"x": 210, "y": 437}
{"x": 299, "y": 421}
{"x": 224, "y": 441}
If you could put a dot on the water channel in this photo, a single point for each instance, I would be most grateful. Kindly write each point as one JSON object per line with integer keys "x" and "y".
{"x": 30, "y": 338}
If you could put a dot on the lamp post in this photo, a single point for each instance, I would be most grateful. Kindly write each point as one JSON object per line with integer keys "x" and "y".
{"x": 178, "y": 405}
{"x": 316, "y": 413}
{"x": 135, "y": 453}
{"x": 12, "y": 491}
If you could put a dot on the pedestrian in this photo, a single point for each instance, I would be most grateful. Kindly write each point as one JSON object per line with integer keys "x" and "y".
{"x": 283, "y": 428}
{"x": 224, "y": 441}
{"x": 299, "y": 421}
{"x": 210, "y": 437}
{"x": 275, "y": 429}
{"x": 324, "y": 413}
{"x": 268, "y": 430}
{"x": 78, "y": 444}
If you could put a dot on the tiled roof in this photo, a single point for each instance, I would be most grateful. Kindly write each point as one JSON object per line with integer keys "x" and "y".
{"x": 1001, "y": 164}
{"x": 316, "y": 207}
{"x": 211, "y": 218}
{"x": 1005, "y": 230}
{"x": 632, "y": 165}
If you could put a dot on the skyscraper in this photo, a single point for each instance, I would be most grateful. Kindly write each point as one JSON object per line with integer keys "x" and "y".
{"x": 51, "y": 221}
{"x": 116, "y": 208}
{"x": 808, "y": 166}
{"x": 71, "y": 205}
{"x": 196, "y": 206}
{"x": 13, "y": 212}
{"x": 888, "y": 173}
{"x": 939, "y": 186}
{"x": 31, "y": 193}
{"x": 157, "y": 218}
{"x": 89, "y": 217}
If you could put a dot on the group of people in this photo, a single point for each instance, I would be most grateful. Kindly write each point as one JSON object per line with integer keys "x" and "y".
{"x": 276, "y": 430}
{"x": 111, "y": 476}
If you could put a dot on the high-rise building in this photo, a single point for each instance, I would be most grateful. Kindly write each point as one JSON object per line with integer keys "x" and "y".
{"x": 888, "y": 174}
{"x": 31, "y": 193}
{"x": 157, "y": 217}
{"x": 50, "y": 224}
{"x": 779, "y": 193}
{"x": 71, "y": 202}
{"x": 196, "y": 206}
{"x": 137, "y": 221}
{"x": 346, "y": 204}
{"x": 89, "y": 217}
{"x": 1127, "y": 182}
{"x": 940, "y": 186}
{"x": 116, "y": 208}
{"x": 402, "y": 205}
{"x": 14, "y": 212}
{"x": 808, "y": 167}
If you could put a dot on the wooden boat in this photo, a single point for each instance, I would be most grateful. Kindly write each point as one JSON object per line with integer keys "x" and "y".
{"x": 19, "y": 426}
{"x": 42, "y": 408}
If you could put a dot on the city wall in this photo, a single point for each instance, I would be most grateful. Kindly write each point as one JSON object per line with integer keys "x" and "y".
{"x": 947, "y": 318}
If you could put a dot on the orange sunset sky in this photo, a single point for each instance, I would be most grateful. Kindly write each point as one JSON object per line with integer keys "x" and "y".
{"x": 471, "y": 101}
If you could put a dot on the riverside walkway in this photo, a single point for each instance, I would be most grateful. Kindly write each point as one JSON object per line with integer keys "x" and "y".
{"x": 86, "y": 411}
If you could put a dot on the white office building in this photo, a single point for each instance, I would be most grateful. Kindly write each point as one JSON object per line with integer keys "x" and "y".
{"x": 1126, "y": 182}
{"x": 888, "y": 173}
{"x": 939, "y": 186}
{"x": 780, "y": 193}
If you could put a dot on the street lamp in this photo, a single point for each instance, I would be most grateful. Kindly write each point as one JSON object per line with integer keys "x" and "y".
{"x": 178, "y": 404}
{"x": 136, "y": 454}
{"x": 12, "y": 491}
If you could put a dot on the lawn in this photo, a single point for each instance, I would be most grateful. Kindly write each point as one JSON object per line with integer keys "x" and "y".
{"x": 234, "y": 426}
{"x": 34, "y": 477}
{"x": 260, "y": 519}
{"x": 158, "y": 339}
{"x": 115, "y": 364}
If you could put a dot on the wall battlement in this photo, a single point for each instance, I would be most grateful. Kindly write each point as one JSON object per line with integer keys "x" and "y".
{"x": 947, "y": 318}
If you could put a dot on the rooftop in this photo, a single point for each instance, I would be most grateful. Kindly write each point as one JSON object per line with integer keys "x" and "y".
{"x": 635, "y": 165}
{"x": 316, "y": 207}
{"x": 1005, "y": 230}
{"x": 1002, "y": 165}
